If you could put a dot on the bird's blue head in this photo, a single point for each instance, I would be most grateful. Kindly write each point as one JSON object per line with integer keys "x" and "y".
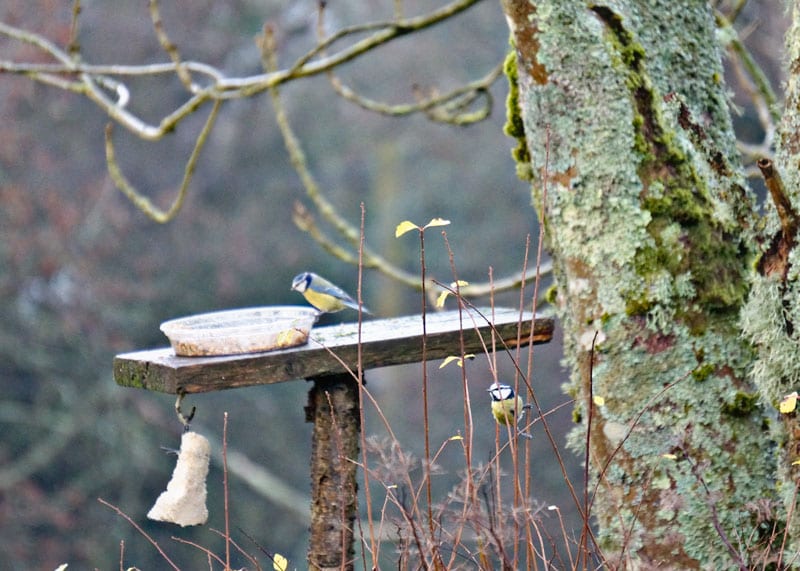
{"x": 500, "y": 392}
{"x": 302, "y": 281}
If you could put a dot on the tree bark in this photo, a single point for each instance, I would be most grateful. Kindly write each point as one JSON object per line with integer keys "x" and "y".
{"x": 772, "y": 314}
{"x": 621, "y": 113}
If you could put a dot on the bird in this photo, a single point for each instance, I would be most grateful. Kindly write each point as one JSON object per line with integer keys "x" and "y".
{"x": 508, "y": 408}
{"x": 322, "y": 294}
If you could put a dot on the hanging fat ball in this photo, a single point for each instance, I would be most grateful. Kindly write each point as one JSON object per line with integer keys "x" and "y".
{"x": 508, "y": 408}
{"x": 184, "y": 501}
{"x": 322, "y": 294}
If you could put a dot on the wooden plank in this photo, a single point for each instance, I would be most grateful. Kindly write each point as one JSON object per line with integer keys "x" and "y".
{"x": 384, "y": 342}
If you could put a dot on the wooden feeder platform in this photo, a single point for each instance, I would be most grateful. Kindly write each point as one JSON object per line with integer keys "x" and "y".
{"x": 384, "y": 342}
{"x": 330, "y": 359}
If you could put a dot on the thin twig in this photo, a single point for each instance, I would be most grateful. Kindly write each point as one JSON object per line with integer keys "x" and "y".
{"x": 209, "y": 554}
{"x": 753, "y": 69}
{"x": 374, "y": 543}
{"x": 786, "y": 532}
{"x": 425, "y": 422}
{"x": 142, "y": 532}
{"x": 140, "y": 200}
{"x": 171, "y": 49}
{"x": 240, "y": 549}
{"x": 735, "y": 555}
{"x": 468, "y": 426}
{"x": 225, "y": 490}
{"x": 429, "y": 105}
{"x": 583, "y": 548}
{"x": 537, "y": 280}
{"x": 73, "y": 46}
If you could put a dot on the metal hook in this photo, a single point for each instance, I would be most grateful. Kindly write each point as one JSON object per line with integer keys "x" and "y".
{"x": 185, "y": 420}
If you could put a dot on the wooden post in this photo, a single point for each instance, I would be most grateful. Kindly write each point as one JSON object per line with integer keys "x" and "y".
{"x": 333, "y": 400}
{"x": 333, "y": 408}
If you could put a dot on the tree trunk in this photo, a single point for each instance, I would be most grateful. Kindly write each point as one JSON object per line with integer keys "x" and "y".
{"x": 622, "y": 106}
{"x": 772, "y": 314}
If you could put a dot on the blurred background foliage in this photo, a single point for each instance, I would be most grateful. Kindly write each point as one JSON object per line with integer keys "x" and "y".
{"x": 84, "y": 275}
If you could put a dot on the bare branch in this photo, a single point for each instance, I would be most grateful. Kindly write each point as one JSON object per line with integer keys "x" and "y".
{"x": 383, "y": 33}
{"x": 436, "y": 105}
{"x": 755, "y": 83}
{"x": 222, "y": 87}
{"x": 329, "y": 213}
{"x": 96, "y": 83}
{"x": 142, "y": 202}
{"x": 783, "y": 205}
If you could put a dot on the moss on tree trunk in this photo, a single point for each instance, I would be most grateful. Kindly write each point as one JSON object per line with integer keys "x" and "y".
{"x": 651, "y": 230}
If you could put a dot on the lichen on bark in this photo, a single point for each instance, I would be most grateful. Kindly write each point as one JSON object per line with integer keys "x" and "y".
{"x": 771, "y": 318}
{"x": 650, "y": 228}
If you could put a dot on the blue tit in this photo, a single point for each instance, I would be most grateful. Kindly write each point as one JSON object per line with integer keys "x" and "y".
{"x": 322, "y": 294}
{"x": 508, "y": 408}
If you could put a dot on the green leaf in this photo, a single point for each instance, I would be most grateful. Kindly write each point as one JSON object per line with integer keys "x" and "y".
{"x": 405, "y": 226}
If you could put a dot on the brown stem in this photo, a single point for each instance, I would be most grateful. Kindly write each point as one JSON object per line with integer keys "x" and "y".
{"x": 786, "y": 213}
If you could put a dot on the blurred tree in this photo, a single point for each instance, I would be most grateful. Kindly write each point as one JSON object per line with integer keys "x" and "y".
{"x": 625, "y": 134}
{"x": 84, "y": 275}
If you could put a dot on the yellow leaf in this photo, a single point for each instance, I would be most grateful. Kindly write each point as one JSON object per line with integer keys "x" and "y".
{"x": 449, "y": 360}
{"x": 796, "y": 462}
{"x": 443, "y": 296}
{"x": 456, "y": 437}
{"x": 458, "y": 360}
{"x": 669, "y": 456}
{"x": 788, "y": 404}
{"x": 599, "y": 401}
{"x": 279, "y": 562}
{"x": 437, "y": 222}
{"x": 405, "y": 226}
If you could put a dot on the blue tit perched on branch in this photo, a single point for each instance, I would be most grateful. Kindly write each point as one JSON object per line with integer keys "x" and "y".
{"x": 322, "y": 294}
{"x": 508, "y": 408}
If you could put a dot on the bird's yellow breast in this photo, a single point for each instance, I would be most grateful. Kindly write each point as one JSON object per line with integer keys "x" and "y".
{"x": 323, "y": 301}
{"x": 507, "y": 412}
